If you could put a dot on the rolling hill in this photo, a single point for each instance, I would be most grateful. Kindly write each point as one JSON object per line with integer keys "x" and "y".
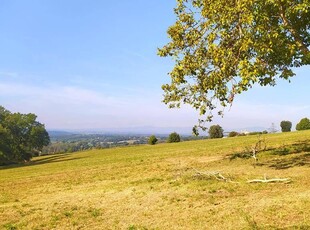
{"x": 166, "y": 186}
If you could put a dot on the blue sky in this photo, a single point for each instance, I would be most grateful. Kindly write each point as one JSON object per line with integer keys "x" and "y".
{"x": 93, "y": 65}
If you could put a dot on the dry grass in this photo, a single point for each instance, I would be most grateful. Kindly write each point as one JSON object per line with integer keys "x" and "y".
{"x": 153, "y": 187}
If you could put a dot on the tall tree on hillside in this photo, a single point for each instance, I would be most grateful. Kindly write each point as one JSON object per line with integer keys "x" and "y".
{"x": 5, "y": 150}
{"x": 222, "y": 48}
{"x": 286, "y": 126}
{"x": 303, "y": 124}
{"x": 22, "y": 137}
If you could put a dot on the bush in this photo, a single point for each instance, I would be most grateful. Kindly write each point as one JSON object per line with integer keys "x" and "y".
{"x": 152, "y": 140}
{"x": 233, "y": 134}
{"x": 255, "y": 133}
{"x": 286, "y": 126}
{"x": 216, "y": 131}
{"x": 174, "y": 137}
{"x": 304, "y": 124}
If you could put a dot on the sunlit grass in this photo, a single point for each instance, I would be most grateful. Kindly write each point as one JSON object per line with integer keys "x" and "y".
{"x": 153, "y": 187}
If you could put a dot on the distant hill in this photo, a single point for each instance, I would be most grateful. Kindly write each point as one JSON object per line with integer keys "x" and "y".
{"x": 58, "y": 133}
{"x": 144, "y": 130}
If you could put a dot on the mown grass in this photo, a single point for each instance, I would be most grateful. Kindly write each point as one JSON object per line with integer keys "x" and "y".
{"x": 154, "y": 187}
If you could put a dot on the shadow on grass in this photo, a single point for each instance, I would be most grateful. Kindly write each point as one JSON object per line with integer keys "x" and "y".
{"x": 298, "y": 147}
{"x": 63, "y": 157}
{"x": 285, "y": 163}
{"x": 300, "y": 150}
{"x": 296, "y": 154}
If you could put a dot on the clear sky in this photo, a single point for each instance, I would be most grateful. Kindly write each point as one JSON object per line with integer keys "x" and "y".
{"x": 92, "y": 65}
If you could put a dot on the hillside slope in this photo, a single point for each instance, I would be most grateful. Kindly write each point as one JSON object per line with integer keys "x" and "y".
{"x": 157, "y": 187}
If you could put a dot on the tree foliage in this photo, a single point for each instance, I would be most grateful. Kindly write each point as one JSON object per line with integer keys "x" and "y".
{"x": 286, "y": 126}
{"x": 173, "y": 137}
{"x": 216, "y": 131}
{"x": 303, "y": 124}
{"x": 152, "y": 140}
{"x": 21, "y": 136}
{"x": 222, "y": 48}
{"x": 233, "y": 134}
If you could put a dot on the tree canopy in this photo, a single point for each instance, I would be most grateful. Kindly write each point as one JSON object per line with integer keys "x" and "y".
{"x": 222, "y": 48}
{"x": 303, "y": 124}
{"x": 21, "y": 136}
{"x": 216, "y": 131}
{"x": 173, "y": 137}
{"x": 286, "y": 126}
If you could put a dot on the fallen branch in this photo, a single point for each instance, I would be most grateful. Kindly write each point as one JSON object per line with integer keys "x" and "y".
{"x": 218, "y": 176}
{"x": 212, "y": 174}
{"x": 273, "y": 180}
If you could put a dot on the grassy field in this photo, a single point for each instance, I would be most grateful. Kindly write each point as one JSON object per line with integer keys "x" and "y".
{"x": 156, "y": 187}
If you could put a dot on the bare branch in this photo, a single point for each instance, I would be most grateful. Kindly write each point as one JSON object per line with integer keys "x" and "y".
{"x": 274, "y": 180}
{"x": 213, "y": 174}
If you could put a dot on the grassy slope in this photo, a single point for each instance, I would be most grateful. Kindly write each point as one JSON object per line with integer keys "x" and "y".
{"x": 152, "y": 187}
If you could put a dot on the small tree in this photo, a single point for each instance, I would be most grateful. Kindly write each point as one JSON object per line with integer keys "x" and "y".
{"x": 152, "y": 140}
{"x": 286, "y": 126}
{"x": 216, "y": 131}
{"x": 174, "y": 137}
{"x": 304, "y": 124}
{"x": 233, "y": 134}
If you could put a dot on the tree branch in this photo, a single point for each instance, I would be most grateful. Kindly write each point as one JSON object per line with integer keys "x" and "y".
{"x": 285, "y": 180}
{"x": 296, "y": 36}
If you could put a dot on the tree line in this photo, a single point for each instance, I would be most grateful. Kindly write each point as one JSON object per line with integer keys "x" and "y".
{"x": 216, "y": 131}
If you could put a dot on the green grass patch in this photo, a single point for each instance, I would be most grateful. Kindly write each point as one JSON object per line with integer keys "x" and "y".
{"x": 155, "y": 187}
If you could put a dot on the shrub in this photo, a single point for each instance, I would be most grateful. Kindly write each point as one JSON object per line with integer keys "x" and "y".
{"x": 216, "y": 131}
{"x": 304, "y": 124}
{"x": 152, "y": 140}
{"x": 233, "y": 134}
{"x": 174, "y": 137}
{"x": 255, "y": 133}
{"x": 286, "y": 126}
